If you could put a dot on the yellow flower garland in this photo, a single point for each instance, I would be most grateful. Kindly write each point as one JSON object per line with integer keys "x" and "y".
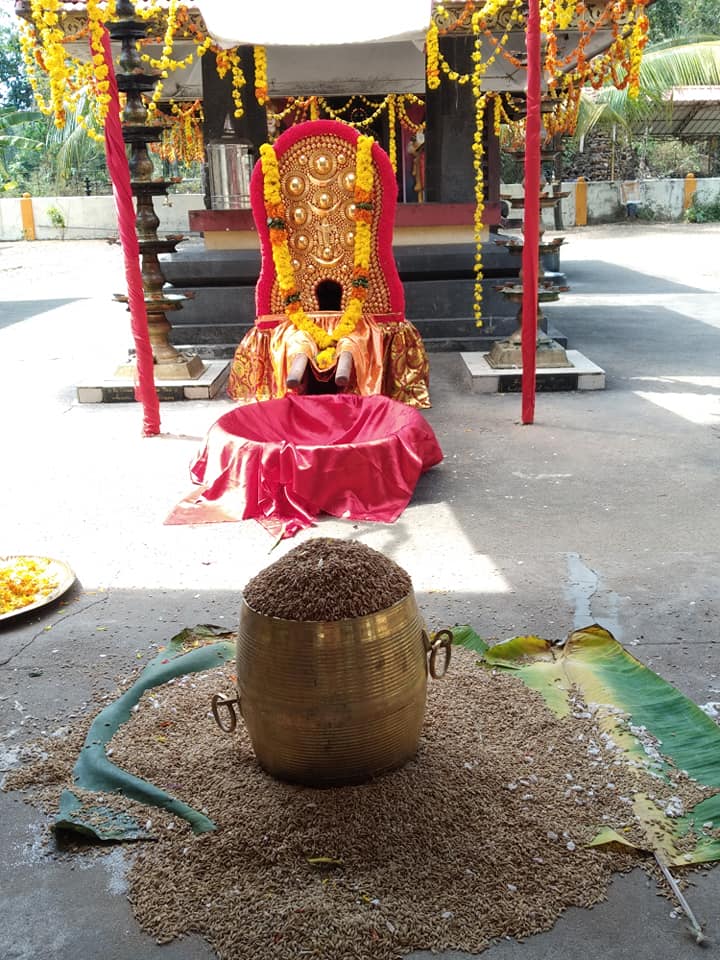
{"x": 230, "y": 60}
{"x": 619, "y": 65}
{"x": 43, "y": 43}
{"x": 261, "y": 81}
{"x": 275, "y": 210}
{"x": 392, "y": 145}
{"x": 49, "y": 32}
{"x": 101, "y": 71}
{"x": 432, "y": 56}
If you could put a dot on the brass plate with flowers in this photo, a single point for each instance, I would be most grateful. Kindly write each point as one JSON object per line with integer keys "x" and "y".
{"x": 30, "y": 582}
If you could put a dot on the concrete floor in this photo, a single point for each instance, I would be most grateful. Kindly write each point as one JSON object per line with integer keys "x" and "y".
{"x": 606, "y": 509}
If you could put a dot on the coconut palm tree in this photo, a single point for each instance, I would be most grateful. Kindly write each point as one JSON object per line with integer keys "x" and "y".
{"x": 73, "y": 150}
{"x": 669, "y": 64}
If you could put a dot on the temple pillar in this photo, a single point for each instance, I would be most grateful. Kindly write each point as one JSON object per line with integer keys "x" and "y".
{"x": 449, "y": 133}
{"x": 450, "y": 126}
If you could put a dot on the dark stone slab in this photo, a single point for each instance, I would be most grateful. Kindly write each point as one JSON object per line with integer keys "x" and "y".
{"x": 209, "y": 333}
{"x": 453, "y": 260}
{"x": 438, "y": 283}
{"x": 193, "y": 265}
{"x": 206, "y": 351}
{"x": 453, "y": 298}
{"x": 546, "y": 383}
{"x": 216, "y": 305}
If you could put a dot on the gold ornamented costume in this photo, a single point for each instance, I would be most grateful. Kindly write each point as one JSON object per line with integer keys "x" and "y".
{"x": 316, "y": 162}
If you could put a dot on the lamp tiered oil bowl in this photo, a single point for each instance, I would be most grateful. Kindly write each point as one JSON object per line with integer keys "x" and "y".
{"x": 549, "y": 353}
{"x": 336, "y": 702}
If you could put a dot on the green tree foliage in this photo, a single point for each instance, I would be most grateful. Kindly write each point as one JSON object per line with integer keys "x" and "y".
{"x": 683, "y": 19}
{"x": 629, "y": 122}
{"x": 34, "y": 155}
{"x": 672, "y": 158}
{"x": 21, "y": 142}
{"x": 667, "y": 65}
{"x": 664, "y": 17}
{"x": 700, "y": 17}
{"x": 75, "y": 154}
{"x": 15, "y": 90}
{"x": 707, "y": 211}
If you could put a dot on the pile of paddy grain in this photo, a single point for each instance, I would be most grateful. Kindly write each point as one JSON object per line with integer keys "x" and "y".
{"x": 327, "y": 579}
{"x": 484, "y": 835}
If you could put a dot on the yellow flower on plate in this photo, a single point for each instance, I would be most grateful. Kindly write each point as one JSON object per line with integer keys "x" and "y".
{"x": 24, "y": 580}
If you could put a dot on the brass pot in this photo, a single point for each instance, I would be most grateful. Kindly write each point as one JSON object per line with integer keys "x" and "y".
{"x": 336, "y": 702}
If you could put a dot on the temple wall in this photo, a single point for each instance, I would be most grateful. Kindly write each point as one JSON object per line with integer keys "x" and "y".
{"x": 89, "y": 218}
{"x": 94, "y": 217}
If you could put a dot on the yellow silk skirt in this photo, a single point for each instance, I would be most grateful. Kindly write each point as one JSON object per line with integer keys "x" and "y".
{"x": 389, "y": 358}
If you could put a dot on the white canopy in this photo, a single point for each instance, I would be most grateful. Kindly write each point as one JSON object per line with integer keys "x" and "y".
{"x": 297, "y": 24}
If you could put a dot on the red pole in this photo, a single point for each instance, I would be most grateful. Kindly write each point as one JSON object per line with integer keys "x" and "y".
{"x": 531, "y": 225}
{"x": 119, "y": 171}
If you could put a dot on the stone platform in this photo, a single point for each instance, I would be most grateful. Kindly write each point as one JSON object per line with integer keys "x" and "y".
{"x": 482, "y": 378}
{"x": 122, "y": 389}
{"x": 438, "y": 282}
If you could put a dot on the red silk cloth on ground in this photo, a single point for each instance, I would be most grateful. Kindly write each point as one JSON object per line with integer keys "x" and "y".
{"x": 285, "y": 461}
{"x": 316, "y": 163}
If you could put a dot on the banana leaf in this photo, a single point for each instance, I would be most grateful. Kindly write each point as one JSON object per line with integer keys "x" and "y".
{"x": 190, "y": 651}
{"x": 635, "y": 706}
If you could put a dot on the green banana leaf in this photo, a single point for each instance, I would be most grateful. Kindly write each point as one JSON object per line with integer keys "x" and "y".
{"x": 628, "y": 699}
{"x": 96, "y": 772}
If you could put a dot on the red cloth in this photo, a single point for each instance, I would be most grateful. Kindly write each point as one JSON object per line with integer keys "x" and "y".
{"x": 531, "y": 222}
{"x": 117, "y": 164}
{"x": 285, "y": 461}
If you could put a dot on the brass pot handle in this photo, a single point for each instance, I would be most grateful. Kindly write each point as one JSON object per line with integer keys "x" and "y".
{"x": 442, "y": 641}
{"x": 219, "y": 701}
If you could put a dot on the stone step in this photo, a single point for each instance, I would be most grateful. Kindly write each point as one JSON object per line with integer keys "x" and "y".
{"x": 116, "y": 389}
{"x": 207, "y": 333}
{"x": 480, "y": 377}
{"x": 192, "y": 265}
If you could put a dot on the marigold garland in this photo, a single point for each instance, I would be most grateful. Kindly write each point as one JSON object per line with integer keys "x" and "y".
{"x": 101, "y": 71}
{"x": 282, "y": 260}
{"x": 432, "y": 55}
{"x": 566, "y": 75}
{"x": 166, "y": 64}
{"x": 182, "y": 139}
{"x": 377, "y": 108}
{"x": 43, "y": 46}
{"x": 230, "y": 60}
{"x": 405, "y": 121}
{"x": 32, "y": 57}
{"x": 395, "y": 105}
{"x": 50, "y": 36}
{"x": 620, "y": 65}
{"x": 392, "y": 120}
{"x": 261, "y": 81}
